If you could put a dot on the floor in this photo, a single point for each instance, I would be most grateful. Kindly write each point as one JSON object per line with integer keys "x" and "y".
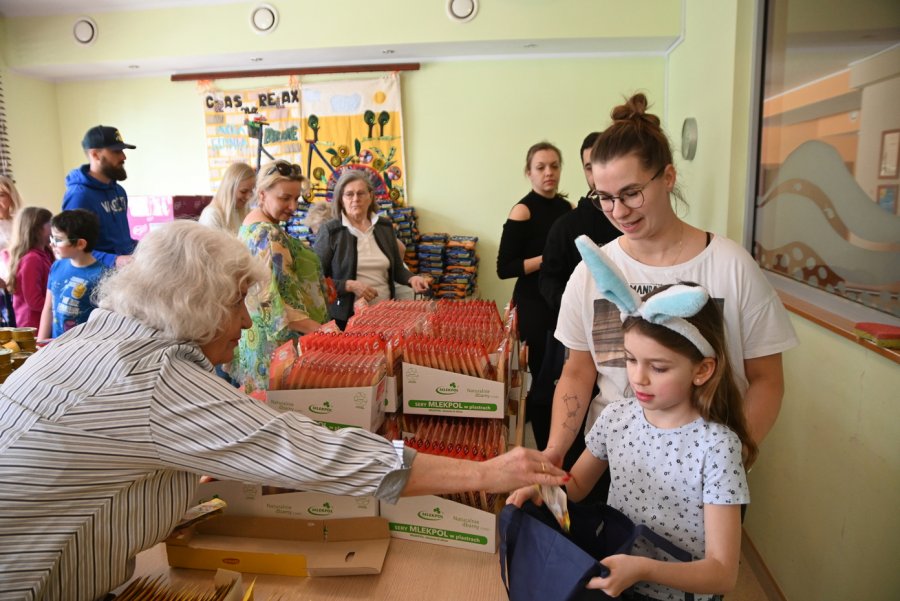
{"x": 748, "y": 587}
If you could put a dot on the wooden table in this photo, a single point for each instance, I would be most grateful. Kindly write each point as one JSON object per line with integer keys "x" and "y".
{"x": 413, "y": 571}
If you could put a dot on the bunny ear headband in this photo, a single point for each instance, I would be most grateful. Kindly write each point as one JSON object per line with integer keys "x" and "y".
{"x": 668, "y": 308}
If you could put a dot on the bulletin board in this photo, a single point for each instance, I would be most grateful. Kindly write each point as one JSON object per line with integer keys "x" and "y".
{"x": 325, "y": 127}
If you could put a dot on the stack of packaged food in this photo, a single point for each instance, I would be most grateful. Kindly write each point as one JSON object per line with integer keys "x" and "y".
{"x": 461, "y": 270}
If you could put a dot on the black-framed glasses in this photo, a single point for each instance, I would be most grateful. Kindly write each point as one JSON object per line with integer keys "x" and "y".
{"x": 286, "y": 169}
{"x": 632, "y": 198}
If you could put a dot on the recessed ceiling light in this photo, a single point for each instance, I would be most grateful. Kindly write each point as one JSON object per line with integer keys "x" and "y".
{"x": 84, "y": 31}
{"x": 263, "y": 18}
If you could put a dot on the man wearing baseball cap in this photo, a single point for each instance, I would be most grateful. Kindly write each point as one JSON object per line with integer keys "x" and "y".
{"x": 95, "y": 187}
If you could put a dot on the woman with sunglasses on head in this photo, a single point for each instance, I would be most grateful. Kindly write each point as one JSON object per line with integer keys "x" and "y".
{"x": 293, "y": 301}
{"x": 232, "y": 200}
{"x": 359, "y": 251}
{"x": 520, "y": 256}
{"x": 635, "y": 184}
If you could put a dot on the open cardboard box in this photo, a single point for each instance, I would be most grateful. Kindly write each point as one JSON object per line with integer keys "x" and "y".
{"x": 429, "y": 391}
{"x": 335, "y": 408}
{"x": 282, "y": 546}
{"x": 439, "y": 521}
{"x": 263, "y": 501}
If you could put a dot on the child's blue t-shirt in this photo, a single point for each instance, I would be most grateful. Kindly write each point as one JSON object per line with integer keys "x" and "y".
{"x": 71, "y": 288}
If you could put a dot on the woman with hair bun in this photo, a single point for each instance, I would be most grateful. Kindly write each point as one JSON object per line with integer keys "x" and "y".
{"x": 635, "y": 184}
{"x": 293, "y": 301}
{"x": 520, "y": 256}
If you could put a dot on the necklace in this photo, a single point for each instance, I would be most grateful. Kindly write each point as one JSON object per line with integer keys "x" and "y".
{"x": 635, "y": 256}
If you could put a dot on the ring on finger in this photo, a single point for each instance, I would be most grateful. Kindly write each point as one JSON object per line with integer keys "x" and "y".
{"x": 543, "y": 468}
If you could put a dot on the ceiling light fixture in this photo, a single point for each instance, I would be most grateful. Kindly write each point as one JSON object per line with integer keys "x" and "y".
{"x": 85, "y": 31}
{"x": 462, "y": 11}
{"x": 263, "y": 18}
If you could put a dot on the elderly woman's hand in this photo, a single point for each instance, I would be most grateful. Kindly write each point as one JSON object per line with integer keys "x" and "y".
{"x": 521, "y": 467}
{"x": 419, "y": 284}
{"x": 361, "y": 290}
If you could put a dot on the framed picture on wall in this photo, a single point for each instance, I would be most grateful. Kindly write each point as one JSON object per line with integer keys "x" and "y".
{"x": 889, "y": 163}
{"x": 887, "y": 198}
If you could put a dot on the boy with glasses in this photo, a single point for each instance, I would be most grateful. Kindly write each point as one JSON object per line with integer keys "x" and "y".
{"x": 74, "y": 274}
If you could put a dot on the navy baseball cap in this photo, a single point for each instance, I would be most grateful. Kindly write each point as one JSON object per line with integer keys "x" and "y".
{"x": 104, "y": 136}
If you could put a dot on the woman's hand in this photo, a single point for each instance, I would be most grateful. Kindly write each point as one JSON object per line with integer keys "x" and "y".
{"x": 624, "y": 571}
{"x": 419, "y": 284}
{"x": 520, "y": 467}
{"x": 361, "y": 290}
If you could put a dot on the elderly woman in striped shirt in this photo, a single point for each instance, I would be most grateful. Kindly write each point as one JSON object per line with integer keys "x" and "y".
{"x": 104, "y": 432}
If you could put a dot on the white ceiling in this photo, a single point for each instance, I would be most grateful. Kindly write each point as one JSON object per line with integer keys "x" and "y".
{"x": 30, "y": 8}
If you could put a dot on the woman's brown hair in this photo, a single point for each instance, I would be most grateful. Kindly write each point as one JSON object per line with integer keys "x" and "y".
{"x": 717, "y": 400}
{"x": 26, "y": 235}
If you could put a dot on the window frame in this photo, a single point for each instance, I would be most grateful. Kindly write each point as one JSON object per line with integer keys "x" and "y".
{"x": 825, "y": 309}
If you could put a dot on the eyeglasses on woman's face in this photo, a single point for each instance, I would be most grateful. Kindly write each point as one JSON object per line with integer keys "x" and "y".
{"x": 286, "y": 169}
{"x": 633, "y": 198}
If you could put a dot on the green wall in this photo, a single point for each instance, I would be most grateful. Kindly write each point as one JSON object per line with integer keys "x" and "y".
{"x": 826, "y": 489}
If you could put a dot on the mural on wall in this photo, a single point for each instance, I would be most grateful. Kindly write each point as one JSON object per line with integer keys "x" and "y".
{"x": 234, "y": 120}
{"x": 816, "y": 225}
{"x": 354, "y": 124}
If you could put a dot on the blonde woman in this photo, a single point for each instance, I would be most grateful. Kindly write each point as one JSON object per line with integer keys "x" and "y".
{"x": 231, "y": 203}
{"x": 293, "y": 303}
{"x": 10, "y": 201}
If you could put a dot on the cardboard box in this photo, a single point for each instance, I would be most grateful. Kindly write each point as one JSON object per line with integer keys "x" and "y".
{"x": 443, "y": 522}
{"x": 428, "y": 391}
{"x": 282, "y": 546}
{"x": 263, "y": 501}
{"x": 335, "y": 408}
{"x": 392, "y": 395}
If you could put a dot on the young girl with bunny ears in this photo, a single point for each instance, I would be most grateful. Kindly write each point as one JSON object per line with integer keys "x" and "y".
{"x": 675, "y": 450}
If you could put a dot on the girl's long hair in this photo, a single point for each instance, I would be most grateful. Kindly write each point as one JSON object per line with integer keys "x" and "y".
{"x": 718, "y": 400}
{"x": 26, "y": 235}
{"x": 15, "y": 200}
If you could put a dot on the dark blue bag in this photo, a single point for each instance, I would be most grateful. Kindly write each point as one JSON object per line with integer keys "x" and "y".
{"x": 538, "y": 562}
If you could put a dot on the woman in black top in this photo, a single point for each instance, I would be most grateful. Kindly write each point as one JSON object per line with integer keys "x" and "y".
{"x": 522, "y": 245}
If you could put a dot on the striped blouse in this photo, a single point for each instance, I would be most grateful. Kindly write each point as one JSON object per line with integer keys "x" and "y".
{"x": 103, "y": 434}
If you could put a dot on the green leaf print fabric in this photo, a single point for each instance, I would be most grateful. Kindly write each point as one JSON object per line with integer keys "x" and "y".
{"x": 294, "y": 292}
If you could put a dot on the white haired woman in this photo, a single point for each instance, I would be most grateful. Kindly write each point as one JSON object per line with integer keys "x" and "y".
{"x": 293, "y": 303}
{"x": 104, "y": 433}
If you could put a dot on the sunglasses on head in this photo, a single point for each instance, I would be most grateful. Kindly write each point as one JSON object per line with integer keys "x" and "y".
{"x": 286, "y": 169}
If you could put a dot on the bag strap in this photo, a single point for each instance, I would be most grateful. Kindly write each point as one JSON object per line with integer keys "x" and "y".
{"x": 665, "y": 545}
{"x": 510, "y": 523}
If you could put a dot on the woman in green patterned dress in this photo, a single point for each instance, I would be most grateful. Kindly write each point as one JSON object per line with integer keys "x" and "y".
{"x": 293, "y": 302}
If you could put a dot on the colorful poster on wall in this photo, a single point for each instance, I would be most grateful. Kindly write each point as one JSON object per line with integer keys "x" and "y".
{"x": 233, "y": 124}
{"x": 355, "y": 124}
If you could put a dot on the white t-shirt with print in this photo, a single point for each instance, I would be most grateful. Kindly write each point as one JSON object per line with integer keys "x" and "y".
{"x": 663, "y": 478}
{"x": 756, "y": 323}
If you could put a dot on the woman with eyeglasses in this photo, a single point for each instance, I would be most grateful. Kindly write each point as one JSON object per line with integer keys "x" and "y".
{"x": 635, "y": 187}
{"x": 30, "y": 258}
{"x": 293, "y": 301}
{"x": 231, "y": 203}
{"x": 359, "y": 251}
{"x": 521, "y": 254}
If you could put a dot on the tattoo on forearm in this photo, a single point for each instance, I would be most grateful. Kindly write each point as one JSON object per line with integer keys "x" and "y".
{"x": 572, "y": 406}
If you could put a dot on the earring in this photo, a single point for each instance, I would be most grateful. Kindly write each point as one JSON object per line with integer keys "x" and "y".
{"x": 698, "y": 381}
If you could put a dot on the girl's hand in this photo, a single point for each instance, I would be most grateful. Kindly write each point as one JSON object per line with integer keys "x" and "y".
{"x": 624, "y": 571}
{"x": 526, "y": 493}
